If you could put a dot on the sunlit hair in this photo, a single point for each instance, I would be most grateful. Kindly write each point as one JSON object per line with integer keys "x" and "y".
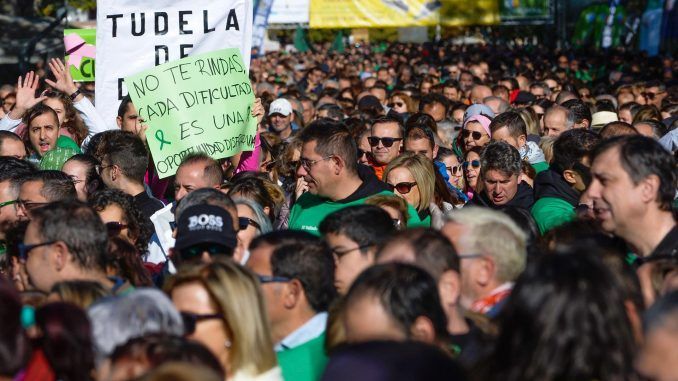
{"x": 82, "y": 293}
{"x": 235, "y": 293}
{"x": 421, "y": 169}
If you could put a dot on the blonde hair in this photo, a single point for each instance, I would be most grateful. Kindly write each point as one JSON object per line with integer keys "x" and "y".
{"x": 82, "y": 293}
{"x": 546, "y": 145}
{"x": 530, "y": 118}
{"x": 235, "y": 292}
{"x": 422, "y": 170}
{"x": 391, "y": 201}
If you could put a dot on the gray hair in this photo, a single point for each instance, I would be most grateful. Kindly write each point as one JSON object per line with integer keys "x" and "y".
{"x": 570, "y": 117}
{"x": 259, "y": 216}
{"x": 204, "y": 196}
{"x": 493, "y": 234}
{"x": 503, "y": 105}
{"x": 117, "y": 320}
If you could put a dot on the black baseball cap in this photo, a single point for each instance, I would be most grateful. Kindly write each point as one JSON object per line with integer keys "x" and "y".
{"x": 205, "y": 224}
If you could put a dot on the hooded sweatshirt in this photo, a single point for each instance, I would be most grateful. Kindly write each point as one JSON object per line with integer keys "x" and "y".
{"x": 556, "y": 200}
{"x": 524, "y": 198}
{"x": 310, "y": 209}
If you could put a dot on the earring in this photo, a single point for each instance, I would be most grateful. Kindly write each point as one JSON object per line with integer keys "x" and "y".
{"x": 227, "y": 344}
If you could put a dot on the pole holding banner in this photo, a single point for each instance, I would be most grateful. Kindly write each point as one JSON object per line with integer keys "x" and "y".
{"x": 201, "y": 103}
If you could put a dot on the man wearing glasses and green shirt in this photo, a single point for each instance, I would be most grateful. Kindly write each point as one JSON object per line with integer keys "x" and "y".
{"x": 333, "y": 179}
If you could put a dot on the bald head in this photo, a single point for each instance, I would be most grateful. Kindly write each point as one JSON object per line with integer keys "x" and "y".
{"x": 480, "y": 92}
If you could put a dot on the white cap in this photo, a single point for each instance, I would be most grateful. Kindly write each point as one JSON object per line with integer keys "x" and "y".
{"x": 280, "y": 106}
{"x": 602, "y": 118}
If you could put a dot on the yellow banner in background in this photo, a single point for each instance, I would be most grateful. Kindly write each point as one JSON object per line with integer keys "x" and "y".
{"x": 400, "y": 13}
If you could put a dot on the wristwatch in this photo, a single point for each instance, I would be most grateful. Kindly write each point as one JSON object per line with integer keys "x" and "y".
{"x": 75, "y": 94}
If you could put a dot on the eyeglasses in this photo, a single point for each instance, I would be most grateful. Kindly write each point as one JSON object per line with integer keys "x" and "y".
{"x": 649, "y": 95}
{"x": 244, "y": 222}
{"x": 307, "y": 163}
{"x": 387, "y": 142}
{"x": 454, "y": 169}
{"x": 100, "y": 168}
{"x": 114, "y": 228}
{"x": 475, "y": 134}
{"x": 195, "y": 252}
{"x": 340, "y": 253}
{"x": 191, "y": 320}
{"x": 402, "y": 188}
{"x": 263, "y": 279}
{"x": 25, "y": 249}
{"x": 10, "y": 202}
{"x": 27, "y": 205}
{"x": 472, "y": 163}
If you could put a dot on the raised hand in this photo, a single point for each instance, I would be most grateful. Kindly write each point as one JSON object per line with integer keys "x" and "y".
{"x": 62, "y": 75}
{"x": 258, "y": 110}
{"x": 25, "y": 95}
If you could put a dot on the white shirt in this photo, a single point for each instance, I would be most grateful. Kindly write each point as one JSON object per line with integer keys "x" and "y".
{"x": 313, "y": 328}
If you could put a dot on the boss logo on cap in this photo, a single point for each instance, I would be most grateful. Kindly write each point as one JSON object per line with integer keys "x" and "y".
{"x": 205, "y": 222}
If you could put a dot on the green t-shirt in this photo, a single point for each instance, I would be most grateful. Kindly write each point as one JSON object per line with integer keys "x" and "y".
{"x": 540, "y": 166}
{"x": 306, "y": 362}
{"x": 309, "y": 211}
{"x": 550, "y": 212}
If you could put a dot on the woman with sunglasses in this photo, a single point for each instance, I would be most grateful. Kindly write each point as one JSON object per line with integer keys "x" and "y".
{"x": 122, "y": 218}
{"x": 471, "y": 167}
{"x": 475, "y": 132}
{"x": 412, "y": 177}
{"x": 253, "y": 222}
{"x": 223, "y": 308}
{"x": 453, "y": 166}
{"x": 401, "y": 103}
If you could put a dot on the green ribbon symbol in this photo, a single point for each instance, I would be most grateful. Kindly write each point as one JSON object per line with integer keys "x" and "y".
{"x": 160, "y": 135}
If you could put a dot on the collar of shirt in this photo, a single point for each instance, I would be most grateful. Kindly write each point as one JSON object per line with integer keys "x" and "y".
{"x": 313, "y": 328}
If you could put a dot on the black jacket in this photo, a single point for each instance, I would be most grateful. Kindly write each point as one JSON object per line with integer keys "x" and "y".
{"x": 524, "y": 199}
{"x": 550, "y": 183}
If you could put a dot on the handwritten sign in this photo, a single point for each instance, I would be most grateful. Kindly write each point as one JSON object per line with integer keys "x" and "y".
{"x": 200, "y": 103}
{"x": 80, "y": 53}
{"x": 134, "y": 35}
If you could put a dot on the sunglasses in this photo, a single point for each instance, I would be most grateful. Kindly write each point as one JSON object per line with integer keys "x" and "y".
{"x": 387, "y": 142}
{"x": 195, "y": 252}
{"x": 362, "y": 153}
{"x": 191, "y": 320}
{"x": 114, "y": 228}
{"x": 472, "y": 163}
{"x": 25, "y": 205}
{"x": 648, "y": 95}
{"x": 402, "y": 188}
{"x": 454, "y": 169}
{"x": 475, "y": 134}
{"x": 244, "y": 222}
{"x": 25, "y": 249}
{"x": 396, "y": 104}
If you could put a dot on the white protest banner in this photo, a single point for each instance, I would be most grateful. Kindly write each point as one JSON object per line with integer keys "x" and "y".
{"x": 134, "y": 35}
{"x": 289, "y": 12}
{"x": 201, "y": 103}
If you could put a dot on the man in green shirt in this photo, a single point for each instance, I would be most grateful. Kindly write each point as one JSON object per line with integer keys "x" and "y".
{"x": 296, "y": 272}
{"x": 331, "y": 175}
{"x": 558, "y": 189}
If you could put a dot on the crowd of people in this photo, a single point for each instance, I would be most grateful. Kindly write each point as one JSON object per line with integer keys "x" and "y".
{"x": 423, "y": 212}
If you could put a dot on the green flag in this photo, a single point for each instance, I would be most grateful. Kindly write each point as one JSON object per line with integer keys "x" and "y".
{"x": 338, "y": 44}
{"x": 300, "y": 41}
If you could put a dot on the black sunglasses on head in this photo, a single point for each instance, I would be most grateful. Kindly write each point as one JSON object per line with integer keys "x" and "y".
{"x": 387, "y": 142}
